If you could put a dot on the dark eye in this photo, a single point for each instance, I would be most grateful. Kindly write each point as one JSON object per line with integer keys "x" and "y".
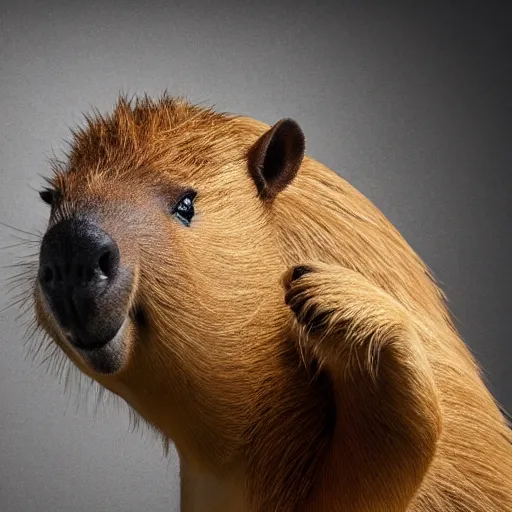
{"x": 47, "y": 195}
{"x": 184, "y": 209}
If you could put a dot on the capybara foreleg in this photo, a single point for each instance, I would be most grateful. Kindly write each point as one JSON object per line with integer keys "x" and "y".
{"x": 388, "y": 418}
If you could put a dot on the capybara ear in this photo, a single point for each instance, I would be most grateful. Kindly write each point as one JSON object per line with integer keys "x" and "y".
{"x": 275, "y": 158}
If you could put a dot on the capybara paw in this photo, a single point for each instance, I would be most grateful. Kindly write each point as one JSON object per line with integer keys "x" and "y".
{"x": 303, "y": 296}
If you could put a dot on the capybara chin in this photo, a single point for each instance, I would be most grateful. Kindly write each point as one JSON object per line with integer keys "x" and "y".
{"x": 265, "y": 317}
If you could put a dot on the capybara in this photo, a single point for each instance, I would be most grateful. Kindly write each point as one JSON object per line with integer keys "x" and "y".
{"x": 265, "y": 317}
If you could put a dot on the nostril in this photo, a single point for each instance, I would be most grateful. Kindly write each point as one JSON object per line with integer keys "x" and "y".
{"x": 105, "y": 263}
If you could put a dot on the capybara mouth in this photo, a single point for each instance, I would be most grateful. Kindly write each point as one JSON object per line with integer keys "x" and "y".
{"x": 109, "y": 357}
{"x": 93, "y": 345}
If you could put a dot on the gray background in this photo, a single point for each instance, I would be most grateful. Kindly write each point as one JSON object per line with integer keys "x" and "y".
{"x": 410, "y": 104}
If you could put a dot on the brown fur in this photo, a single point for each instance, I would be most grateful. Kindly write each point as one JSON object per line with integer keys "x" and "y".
{"x": 376, "y": 406}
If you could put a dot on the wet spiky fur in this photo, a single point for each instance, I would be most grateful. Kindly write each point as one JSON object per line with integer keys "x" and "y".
{"x": 223, "y": 367}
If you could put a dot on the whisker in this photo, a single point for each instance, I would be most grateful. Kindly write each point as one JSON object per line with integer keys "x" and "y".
{"x": 33, "y": 350}
{"x": 21, "y": 300}
{"x": 61, "y": 367}
{"x": 19, "y": 244}
{"x": 26, "y": 273}
{"x": 43, "y": 343}
{"x": 26, "y": 256}
{"x": 20, "y": 281}
{"x": 27, "y": 240}
{"x": 99, "y": 400}
{"x": 22, "y": 264}
{"x": 38, "y": 235}
{"x": 30, "y": 331}
{"x": 21, "y": 294}
{"x": 67, "y": 379}
{"x": 24, "y": 284}
{"x": 49, "y": 356}
{"x": 26, "y": 306}
{"x": 53, "y": 358}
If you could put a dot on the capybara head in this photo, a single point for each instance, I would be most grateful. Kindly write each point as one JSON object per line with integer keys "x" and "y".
{"x": 160, "y": 228}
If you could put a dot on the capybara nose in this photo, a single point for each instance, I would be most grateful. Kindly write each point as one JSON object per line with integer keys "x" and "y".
{"x": 77, "y": 256}
{"x": 79, "y": 273}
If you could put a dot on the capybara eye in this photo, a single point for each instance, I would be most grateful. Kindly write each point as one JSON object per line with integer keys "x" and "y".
{"x": 184, "y": 209}
{"x": 47, "y": 195}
